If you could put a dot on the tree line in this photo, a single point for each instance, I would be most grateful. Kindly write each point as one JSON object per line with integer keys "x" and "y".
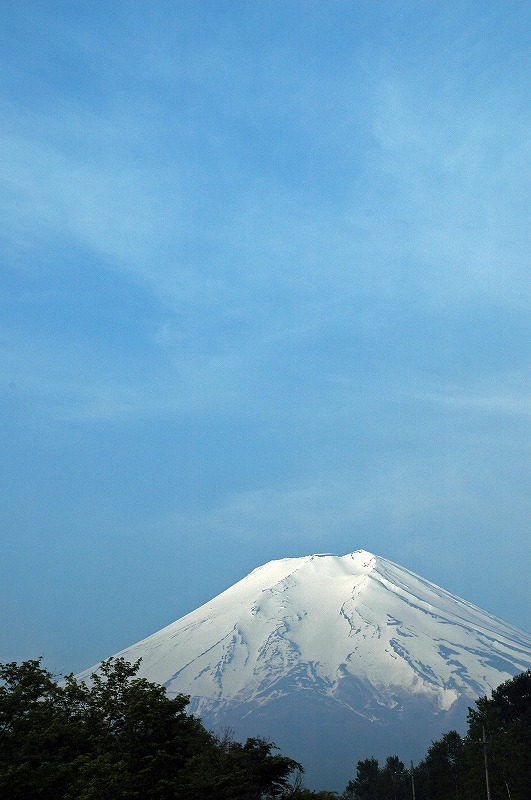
{"x": 494, "y": 753}
{"x": 122, "y": 738}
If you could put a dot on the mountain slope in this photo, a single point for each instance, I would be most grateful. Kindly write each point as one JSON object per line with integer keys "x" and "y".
{"x": 331, "y": 656}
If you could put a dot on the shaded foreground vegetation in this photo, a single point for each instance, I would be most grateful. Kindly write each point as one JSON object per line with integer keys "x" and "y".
{"x": 122, "y": 738}
{"x": 454, "y": 766}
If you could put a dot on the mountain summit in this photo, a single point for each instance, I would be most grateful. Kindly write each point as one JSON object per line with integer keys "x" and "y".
{"x": 335, "y": 658}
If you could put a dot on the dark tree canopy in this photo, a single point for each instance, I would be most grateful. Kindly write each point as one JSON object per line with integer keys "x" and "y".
{"x": 454, "y": 766}
{"x": 121, "y": 738}
{"x": 373, "y": 782}
{"x": 506, "y": 719}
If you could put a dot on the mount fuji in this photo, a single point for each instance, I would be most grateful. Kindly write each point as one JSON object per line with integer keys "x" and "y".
{"x": 334, "y": 658}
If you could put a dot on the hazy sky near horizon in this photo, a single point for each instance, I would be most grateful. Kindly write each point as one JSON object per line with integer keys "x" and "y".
{"x": 264, "y": 293}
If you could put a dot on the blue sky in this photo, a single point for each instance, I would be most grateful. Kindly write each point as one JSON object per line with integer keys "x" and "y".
{"x": 264, "y": 294}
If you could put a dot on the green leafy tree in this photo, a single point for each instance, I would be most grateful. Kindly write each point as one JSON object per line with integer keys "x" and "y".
{"x": 454, "y": 767}
{"x": 395, "y": 780}
{"x": 40, "y": 736}
{"x": 141, "y": 741}
{"x": 510, "y": 703}
{"x": 505, "y": 718}
{"x": 366, "y": 785}
{"x": 121, "y": 738}
{"x": 372, "y": 782}
{"x": 440, "y": 775}
{"x": 254, "y": 770}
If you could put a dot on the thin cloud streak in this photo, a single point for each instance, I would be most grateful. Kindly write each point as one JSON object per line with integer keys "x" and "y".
{"x": 513, "y": 404}
{"x": 399, "y": 503}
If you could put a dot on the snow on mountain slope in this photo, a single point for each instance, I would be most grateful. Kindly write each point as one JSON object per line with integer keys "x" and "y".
{"x": 358, "y": 615}
{"x": 352, "y": 641}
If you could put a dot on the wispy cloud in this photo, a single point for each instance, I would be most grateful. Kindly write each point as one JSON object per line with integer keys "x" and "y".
{"x": 390, "y": 500}
{"x": 495, "y": 402}
{"x": 432, "y": 206}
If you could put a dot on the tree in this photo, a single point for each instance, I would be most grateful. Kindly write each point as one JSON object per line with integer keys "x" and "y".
{"x": 253, "y": 770}
{"x": 440, "y": 775}
{"x": 510, "y": 703}
{"x": 454, "y": 767}
{"x": 395, "y": 780}
{"x": 367, "y": 782}
{"x": 121, "y": 738}
{"x": 141, "y": 741}
{"x": 506, "y": 719}
{"x": 39, "y": 737}
{"x": 390, "y": 782}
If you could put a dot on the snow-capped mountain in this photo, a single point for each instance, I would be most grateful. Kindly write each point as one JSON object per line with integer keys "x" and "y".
{"x": 335, "y": 658}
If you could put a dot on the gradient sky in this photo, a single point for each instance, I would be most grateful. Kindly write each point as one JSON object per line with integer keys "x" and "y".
{"x": 264, "y": 294}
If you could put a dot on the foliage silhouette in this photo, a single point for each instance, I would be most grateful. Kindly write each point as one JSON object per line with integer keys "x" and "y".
{"x": 454, "y": 767}
{"x": 121, "y": 738}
